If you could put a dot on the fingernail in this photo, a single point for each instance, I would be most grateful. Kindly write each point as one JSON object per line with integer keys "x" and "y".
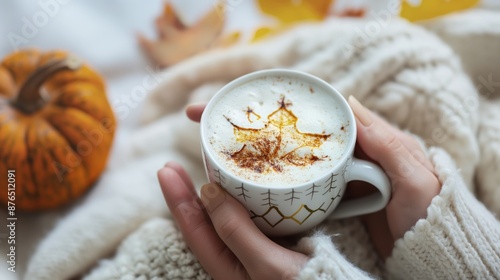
{"x": 212, "y": 196}
{"x": 193, "y": 104}
{"x": 360, "y": 111}
{"x": 168, "y": 164}
{"x": 164, "y": 167}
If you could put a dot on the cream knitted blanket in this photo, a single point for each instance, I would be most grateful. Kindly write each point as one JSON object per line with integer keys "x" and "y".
{"x": 122, "y": 229}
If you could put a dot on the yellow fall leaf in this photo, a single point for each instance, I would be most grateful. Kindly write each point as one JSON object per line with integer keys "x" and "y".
{"x": 290, "y": 11}
{"x": 428, "y": 9}
{"x": 264, "y": 32}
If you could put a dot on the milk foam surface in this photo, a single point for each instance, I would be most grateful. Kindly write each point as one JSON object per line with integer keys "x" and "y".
{"x": 300, "y": 124}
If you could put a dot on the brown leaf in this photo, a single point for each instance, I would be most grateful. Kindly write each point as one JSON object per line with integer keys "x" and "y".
{"x": 177, "y": 42}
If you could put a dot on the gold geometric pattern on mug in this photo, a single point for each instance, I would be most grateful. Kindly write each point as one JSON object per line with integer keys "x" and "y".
{"x": 300, "y": 216}
{"x": 312, "y": 190}
{"x": 330, "y": 183}
{"x": 268, "y": 198}
{"x": 292, "y": 196}
{"x": 243, "y": 192}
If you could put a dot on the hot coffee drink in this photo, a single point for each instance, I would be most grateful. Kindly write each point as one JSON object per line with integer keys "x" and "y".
{"x": 281, "y": 142}
{"x": 278, "y": 131}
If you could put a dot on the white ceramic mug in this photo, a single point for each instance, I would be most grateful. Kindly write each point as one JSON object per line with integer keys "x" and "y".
{"x": 296, "y": 208}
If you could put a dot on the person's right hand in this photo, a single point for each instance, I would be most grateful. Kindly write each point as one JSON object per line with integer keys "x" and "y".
{"x": 411, "y": 173}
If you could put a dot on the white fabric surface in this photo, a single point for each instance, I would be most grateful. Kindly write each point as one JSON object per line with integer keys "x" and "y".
{"x": 128, "y": 193}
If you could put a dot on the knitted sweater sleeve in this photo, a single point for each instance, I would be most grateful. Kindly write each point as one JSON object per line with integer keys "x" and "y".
{"x": 326, "y": 261}
{"x": 459, "y": 239}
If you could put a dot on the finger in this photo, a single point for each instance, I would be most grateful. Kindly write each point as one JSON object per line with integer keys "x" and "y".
{"x": 409, "y": 142}
{"x": 197, "y": 229}
{"x": 183, "y": 174}
{"x": 195, "y": 111}
{"x": 382, "y": 145}
{"x": 234, "y": 226}
{"x": 413, "y": 184}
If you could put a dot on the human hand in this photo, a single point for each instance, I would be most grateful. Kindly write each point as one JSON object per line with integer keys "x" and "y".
{"x": 412, "y": 177}
{"x": 220, "y": 233}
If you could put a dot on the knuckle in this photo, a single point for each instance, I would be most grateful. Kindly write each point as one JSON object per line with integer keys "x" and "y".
{"x": 388, "y": 141}
{"x": 392, "y": 142}
{"x": 411, "y": 141}
{"x": 188, "y": 211}
{"x": 422, "y": 184}
{"x": 405, "y": 168}
{"x": 227, "y": 228}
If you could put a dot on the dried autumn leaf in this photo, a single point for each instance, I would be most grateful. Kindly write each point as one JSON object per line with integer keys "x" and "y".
{"x": 177, "y": 42}
{"x": 277, "y": 143}
{"x": 427, "y": 9}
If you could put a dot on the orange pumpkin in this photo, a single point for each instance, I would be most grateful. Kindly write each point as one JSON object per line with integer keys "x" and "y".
{"x": 56, "y": 128}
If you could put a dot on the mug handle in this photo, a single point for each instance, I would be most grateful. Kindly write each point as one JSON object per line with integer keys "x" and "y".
{"x": 362, "y": 170}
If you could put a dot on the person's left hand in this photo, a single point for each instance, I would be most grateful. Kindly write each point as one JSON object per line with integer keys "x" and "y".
{"x": 220, "y": 233}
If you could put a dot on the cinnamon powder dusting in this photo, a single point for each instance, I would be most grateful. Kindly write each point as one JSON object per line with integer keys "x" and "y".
{"x": 276, "y": 145}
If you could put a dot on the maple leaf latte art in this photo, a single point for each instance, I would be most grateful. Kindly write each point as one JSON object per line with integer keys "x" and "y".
{"x": 278, "y": 131}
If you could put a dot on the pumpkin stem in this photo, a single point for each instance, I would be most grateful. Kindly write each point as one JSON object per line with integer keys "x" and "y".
{"x": 29, "y": 98}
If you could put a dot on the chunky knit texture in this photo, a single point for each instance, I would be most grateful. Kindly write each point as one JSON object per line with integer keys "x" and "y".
{"x": 459, "y": 239}
{"x": 155, "y": 251}
{"x": 403, "y": 72}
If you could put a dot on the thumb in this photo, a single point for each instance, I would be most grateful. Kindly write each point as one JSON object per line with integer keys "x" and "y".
{"x": 234, "y": 226}
{"x": 380, "y": 143}
{"x": 260, "y": 256}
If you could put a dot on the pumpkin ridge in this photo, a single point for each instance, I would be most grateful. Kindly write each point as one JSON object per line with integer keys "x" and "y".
{"x": 70, "y": 145}
{"x": 4, "y": 117}
{"x": 29, "y": 160}
{"x": 65, "y": 186}
{"x": 68, "y": 130}
{"x": 8, "y": 146}
{"x": 7, "y": 84}
{"x": 94, "y": 117}
{"x": 7, "y": 143}
{"x": 60, "y": 86}
{"x": 13, "y": 75}
{"x": 48, "y": 152}
{"x": 10, "y": 68}
{"x": 88, "y": 95}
